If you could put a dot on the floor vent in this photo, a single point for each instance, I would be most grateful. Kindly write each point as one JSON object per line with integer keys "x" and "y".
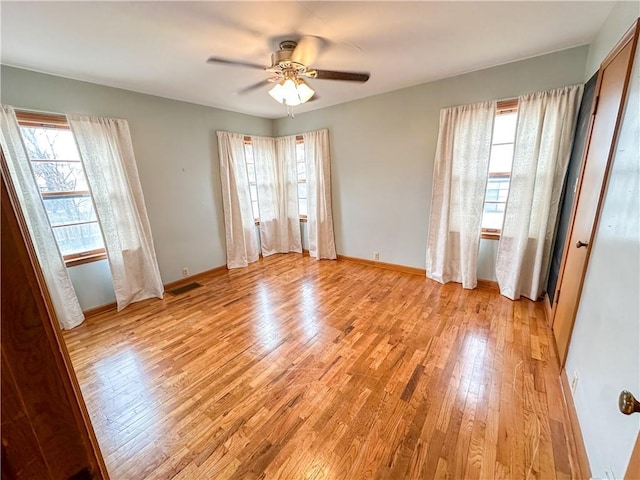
{"x": 185, "y": 288}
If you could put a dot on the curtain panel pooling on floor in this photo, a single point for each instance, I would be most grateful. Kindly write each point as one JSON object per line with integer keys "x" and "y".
{"x": 277, "y": 196}
{"x": 276, "y": 179}
{"x": 54, "y": 270}
{"x": 239, "y": 223}
{"x": 544, "y": 137}
{"x": 459, "y": 183}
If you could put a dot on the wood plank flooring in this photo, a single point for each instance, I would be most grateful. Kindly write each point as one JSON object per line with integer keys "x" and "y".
{"x": 299, "y": 369}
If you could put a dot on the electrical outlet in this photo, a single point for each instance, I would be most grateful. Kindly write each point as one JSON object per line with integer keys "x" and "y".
{"x": 185, "y": 272}
{"x": 376, "y": 256}
{"x": 574, "y": 382}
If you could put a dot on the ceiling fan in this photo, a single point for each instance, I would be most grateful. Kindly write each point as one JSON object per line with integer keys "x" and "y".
{"x": 289, "y": 65}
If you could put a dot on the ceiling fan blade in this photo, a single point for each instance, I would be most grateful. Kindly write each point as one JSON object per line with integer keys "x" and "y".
{"x": 253, "y": 87}
{"x": 346, "y": 76}
{"x": 238, "y": 63}
{"x": 307, "y": 50}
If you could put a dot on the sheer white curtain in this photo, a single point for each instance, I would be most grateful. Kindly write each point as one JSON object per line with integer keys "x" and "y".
{"x": 239, "y": 223}
{"x": 277, "y": 195}
{"x": 319, "y": 214}
{"x": 459, "y": 183}
{"x": 544, "y": 135}
{"x": 19, "y": 173}
{"x": 107, "y": 154}
{"x": 290, "y": 228}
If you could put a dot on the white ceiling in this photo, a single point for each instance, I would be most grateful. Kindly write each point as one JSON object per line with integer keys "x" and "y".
{"x": 160, "y": 48}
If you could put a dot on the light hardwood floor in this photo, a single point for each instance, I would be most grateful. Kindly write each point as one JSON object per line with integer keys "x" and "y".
{"x": 299, "y": 369}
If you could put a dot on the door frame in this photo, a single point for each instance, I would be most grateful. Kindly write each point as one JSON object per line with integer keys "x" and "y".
{"x": 19, "y": 230}
{"x": 630, "y": 36}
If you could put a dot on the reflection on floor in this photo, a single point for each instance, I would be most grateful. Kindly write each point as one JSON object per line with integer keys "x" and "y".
{"x": 294, "y": 368}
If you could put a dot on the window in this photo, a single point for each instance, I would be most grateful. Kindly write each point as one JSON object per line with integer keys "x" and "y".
{"x": 302, "y": 178}
{"x": 59, "y": 175}
{"x": 251, "y": 175}
{"x": 301, "y": 171}
{"x": 504, "y": 131}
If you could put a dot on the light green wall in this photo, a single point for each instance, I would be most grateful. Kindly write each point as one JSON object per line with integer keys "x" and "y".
{"x": 382, "y": 160}
{"x": 383, "y": 149}
{"x": 176, "y": 152}
{"x": 621, "y": 18}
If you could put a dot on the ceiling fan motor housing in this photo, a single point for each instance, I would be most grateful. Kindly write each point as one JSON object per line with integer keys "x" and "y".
{"x": 282, "y": 57}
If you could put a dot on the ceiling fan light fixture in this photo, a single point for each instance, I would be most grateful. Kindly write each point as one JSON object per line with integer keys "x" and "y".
{"x": 291, "y": 92}
{"x": 305, "y": 92}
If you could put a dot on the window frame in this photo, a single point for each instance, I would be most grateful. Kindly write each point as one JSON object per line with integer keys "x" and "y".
{"x": 57, "y": 121}
{"x": 503, "y": 107}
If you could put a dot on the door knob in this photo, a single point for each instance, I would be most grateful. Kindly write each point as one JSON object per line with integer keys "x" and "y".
{"x": 628, "y": 403}
{"x": 580, "y": 243}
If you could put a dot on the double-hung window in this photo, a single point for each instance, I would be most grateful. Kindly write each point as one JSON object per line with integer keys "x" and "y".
{"x": 301, "y": 170}
{"x": 61, "y": 180}
{"x": 302, "y": 178}
{"x": 504, "y": 131}
{"x": 251, "y": 176}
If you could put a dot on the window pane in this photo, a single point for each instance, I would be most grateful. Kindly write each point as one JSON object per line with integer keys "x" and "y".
{"x": 251, "y": 172}
{"x": 504, "y": 128}
{"x": 254, "y": 193}
{"x": 497, "y": 189}
{"x": 65, "y": 210}
{"x": 492, "y": 220}
{"x": 254, "y": 207}
{"x": 78, "y": 238}
{"x": 302, "y": 190}
{"x": 501, "y": 158}
{"x": 248, "y": 152}
{"x": 300, "y": 152}
{"x": 59, "y": 176}
{"x": 50, "y": 143}
{"x": 302, "y": 206}
{"x": 302, "y": 171}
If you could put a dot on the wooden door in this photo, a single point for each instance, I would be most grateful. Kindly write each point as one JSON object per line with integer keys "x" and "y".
{"x": 611, "y": 93}
{"x": 633, "y": 469}
{"x": 46, "y": 432}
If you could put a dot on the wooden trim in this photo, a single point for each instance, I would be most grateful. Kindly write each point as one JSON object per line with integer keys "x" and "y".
{"x": 51, "y": 326}
{"x": 39, "y": 119}
{"x": 92, "y": 312}
{"x": 74, "y": 262}
{"x": 386, "y": 266}
{"x": 630, "y": 35}
{"x": 486, "y": 284}
{"x": 195, "y": 277}
{"x": 490, "y": 234}
{"x": 633, "y": 468}
{"x": 489, "y": 285}
{"x": 548, "y": 309}
{"x": 507, "y": 106}
{"x": 575, "y": 440}
{"x": 79, "y": 193}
